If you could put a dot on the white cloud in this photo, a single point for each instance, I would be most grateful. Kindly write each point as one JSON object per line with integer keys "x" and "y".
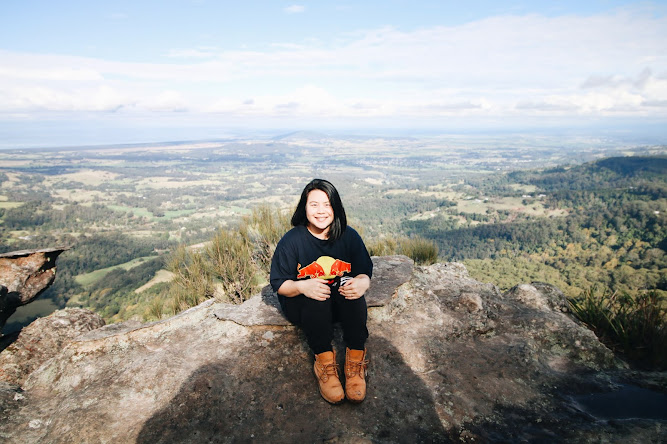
{"x": 165, "y": 101}
{"x": 39, "y": 98}
{"x": 510, "y": 65}
{"x": 295, "y": 9}
{"x": 547, "y": 106}
{"x": 64, "y": 73}
{"x": 656, "y": 103}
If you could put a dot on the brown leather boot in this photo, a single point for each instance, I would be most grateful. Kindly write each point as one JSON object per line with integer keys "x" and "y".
{"x": 355, "y": 375}
{"x": 326, "y": 372}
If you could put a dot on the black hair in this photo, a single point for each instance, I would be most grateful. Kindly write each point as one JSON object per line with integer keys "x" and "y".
{"x": 339, "y": 223}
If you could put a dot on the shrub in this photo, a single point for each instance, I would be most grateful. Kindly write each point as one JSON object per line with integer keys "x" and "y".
{"x": 191, "y": 271}
{"x": 181, "y": 299}
{"x": 422, "y": 251}
{"x": 635, "y": 327}
{"x": 155, "y": 309}
{"x": 171, "y": 301}
{"x": 232, "y": 265}
{"x": 382, "y": 247}
{"x": 263, "y": 228}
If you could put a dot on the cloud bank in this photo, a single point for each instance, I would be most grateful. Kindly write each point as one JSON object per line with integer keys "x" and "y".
{"x": 522, "y": 66}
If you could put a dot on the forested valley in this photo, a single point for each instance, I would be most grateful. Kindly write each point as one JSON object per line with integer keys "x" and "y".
{"x": 597, "y": 223}
{"x": 614, "y": 233}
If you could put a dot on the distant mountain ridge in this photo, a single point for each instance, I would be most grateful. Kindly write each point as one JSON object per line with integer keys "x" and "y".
{"x": 631, "y": 166}
{"x": 604, "y": 173}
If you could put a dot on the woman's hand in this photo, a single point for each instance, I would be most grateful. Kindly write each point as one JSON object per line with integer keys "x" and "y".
{"x": 315, "y": 289}
{"x": 356, "y": 287}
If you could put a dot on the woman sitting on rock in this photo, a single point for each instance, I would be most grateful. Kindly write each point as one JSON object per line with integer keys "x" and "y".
{"x": 321, "y": 270}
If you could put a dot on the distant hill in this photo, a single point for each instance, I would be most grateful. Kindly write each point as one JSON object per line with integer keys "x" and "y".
{"x": 610, "y": 233}
{"x": 632, "y": 166}
{"x": 611, "y": 172}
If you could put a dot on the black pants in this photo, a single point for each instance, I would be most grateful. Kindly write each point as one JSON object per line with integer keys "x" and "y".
{"x": 316, "y": 318}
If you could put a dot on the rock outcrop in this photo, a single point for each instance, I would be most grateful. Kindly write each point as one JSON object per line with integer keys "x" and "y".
{"x": 24, "y": 275}
{"x": 42, "y": 340}
{"x": 452, "y": 359}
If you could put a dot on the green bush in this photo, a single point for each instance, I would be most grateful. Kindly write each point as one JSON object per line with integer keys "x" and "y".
{"x": 233, "y": 268}
{"x": 230, "y": 266}
{"x": 262, "y": 229}
{"x": 169, "y": 301}
{"x": 235, "y": 262}
{"x": 181, "y": 299}
{"x": 634, "y": 326}
{"x": 155, "y": 309}
{"x": 191, "y": 271}
{"x": 422, "y": 251}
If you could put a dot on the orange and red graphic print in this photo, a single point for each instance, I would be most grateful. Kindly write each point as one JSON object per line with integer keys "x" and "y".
{"x": 325, "y": 267}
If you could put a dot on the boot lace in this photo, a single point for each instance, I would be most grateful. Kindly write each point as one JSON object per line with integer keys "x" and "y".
{"x": 328, "y": 370}
{"x": 353, "y": 368}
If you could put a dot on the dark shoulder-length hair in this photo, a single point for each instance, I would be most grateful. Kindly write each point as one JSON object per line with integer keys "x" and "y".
{"x": 340, "y": 220}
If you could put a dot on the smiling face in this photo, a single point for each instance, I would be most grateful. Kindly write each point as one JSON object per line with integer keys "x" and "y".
{"x": 319, "y": 213}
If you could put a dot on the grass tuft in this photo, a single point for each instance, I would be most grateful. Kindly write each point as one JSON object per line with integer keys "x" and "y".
{"x": 634, "y": 326}
{"x": 422, "y": 251}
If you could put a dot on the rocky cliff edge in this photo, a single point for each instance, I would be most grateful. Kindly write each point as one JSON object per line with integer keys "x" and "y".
{"x": 24, "y": 275}
{"x": 451, "y": 359}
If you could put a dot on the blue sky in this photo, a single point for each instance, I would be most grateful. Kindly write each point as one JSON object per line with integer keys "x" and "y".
{"x": 79, "y": 72}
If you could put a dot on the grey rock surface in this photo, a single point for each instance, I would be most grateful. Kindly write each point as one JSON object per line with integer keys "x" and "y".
{"x": 43, "y": 339}
{"x": 260, "y": 309}
{"x": 389, "y": 273}
{"x": 451, "y": 359}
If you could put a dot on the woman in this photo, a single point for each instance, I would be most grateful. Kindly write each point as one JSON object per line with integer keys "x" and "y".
{"x": 321, "y": 270}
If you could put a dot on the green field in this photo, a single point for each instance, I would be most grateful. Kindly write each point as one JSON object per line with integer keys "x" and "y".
{"x": 499, "y": 204}
{"x": 91, "y": 278}
{"x": 139, "y": 212}
{"x": 6, "y": 205}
